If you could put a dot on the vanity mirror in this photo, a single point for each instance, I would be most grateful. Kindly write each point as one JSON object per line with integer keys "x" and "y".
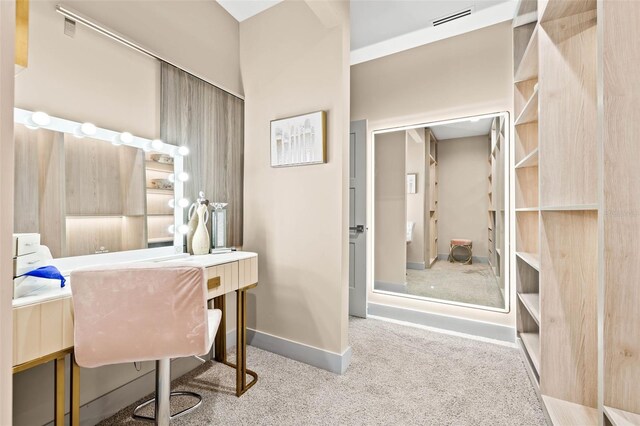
{"x": 90, "y": 190}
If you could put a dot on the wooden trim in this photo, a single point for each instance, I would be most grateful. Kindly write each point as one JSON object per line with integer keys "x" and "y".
{"x": 22, "y": 33}
{"x": 42, "y": 360}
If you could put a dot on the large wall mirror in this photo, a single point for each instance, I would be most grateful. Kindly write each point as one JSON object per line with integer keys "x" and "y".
{"x": 89, "y": 190}
{"x": 91, "y": 173}
{"x": 440, "y": 212}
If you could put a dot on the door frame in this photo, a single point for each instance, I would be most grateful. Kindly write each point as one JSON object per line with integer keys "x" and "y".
{"x": 509, "y": 212}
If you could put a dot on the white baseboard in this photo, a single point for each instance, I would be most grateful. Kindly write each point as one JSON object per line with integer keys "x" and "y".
{"x": 416, "y": 265}
{"x": 445, "y": 322}
{"x": 320, "y": 358}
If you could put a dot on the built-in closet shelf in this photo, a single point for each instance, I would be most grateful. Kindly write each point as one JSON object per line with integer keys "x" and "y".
{"x": 574, "y": 207}
{"x": 528, "y": 67}
{"x": 498, "y": 252}
{"x": 529, "y": 113}
{"x": 531, "y": 301}
{"x": 527, "y": 209}
{"x": 621, "y": 418}
{"x": 531, "y": 342}
{"x": 530, "y": 160}
{"x": 531, "y": 259}
{"x": 159, "y": 214}
{"x": 159, "y": 167}
{"x": 554, "y": 9}
{"x": 431, "y": 159}
{"x": 567, "y": 413}
{"x": 159, "y": 191}
{"x": 160, "y": 240}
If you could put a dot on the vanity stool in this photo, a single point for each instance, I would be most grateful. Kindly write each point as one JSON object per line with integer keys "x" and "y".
{"x": 143, "y": 312}
{"x": 466, "y": 246}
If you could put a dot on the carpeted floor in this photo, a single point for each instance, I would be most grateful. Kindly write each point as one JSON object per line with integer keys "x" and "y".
{"x": 398, "y": 376}
{"x": 474, "y": 284}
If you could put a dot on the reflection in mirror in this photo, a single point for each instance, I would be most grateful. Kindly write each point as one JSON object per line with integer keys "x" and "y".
{"x": 87, "y": 190}
{"x": 440, "y": 211}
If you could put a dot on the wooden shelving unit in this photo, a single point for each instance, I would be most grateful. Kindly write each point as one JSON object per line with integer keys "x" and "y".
{"x": 160, "y": 215}
{"x": 431, "y": 200}
{"x": 620, "y": 223}
{"x": 495, "y": 198}
{"x": 556, "y": 203}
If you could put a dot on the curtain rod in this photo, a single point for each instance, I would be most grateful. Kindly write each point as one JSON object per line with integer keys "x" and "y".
{"x": 76, "y": 16}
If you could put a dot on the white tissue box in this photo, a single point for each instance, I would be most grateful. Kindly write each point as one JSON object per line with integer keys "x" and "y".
{"x": 29, "y": 262}
{"x": 24, "y": 244}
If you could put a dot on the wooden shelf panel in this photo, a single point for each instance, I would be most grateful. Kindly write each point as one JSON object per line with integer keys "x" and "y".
{"x": 159, "y": 191}
{"x": 530, "y": 160}
{"x": 159, "y": 167}
{"x": 567, "y": 413}
{"x": 556, "y": 9}
{"x": 527, "y": 193}
{"x": 531, "y": 342}
{"x": 526, "y": 140}
{"x": 569, "y": 287}
{"x": 621, "y": 418}
{"x": 575, "y": 207}
{"x": 528, "y": 67}
{"x": 529, "y": 113}
{"x": 531, "y": 259}
{"x": 568, "y": 138}
{"x": 527, "y": 232}
{"x": 531, "y": 301}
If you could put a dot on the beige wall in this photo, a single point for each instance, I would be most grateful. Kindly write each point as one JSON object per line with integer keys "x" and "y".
{"x": 88, "y": 77}
{"x": 92, "y": 78}
{"x": 297, "y": 217}
{"x": 463, "y": 204}
{"x": 415, "y": 202}
{"x": 7, "y": 26}
{"x": 199, "y": 36}
{"x": 462, "y": 76}
{"x": 390, "y": 208}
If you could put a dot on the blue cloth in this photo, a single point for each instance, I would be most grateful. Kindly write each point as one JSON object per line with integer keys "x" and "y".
{"x": 49, "y": 272}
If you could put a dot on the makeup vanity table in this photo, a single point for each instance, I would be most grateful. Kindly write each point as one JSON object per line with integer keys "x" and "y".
{"x": 43, "y": 320}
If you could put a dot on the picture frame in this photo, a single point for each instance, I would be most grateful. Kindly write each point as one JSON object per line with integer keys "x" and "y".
{"x": 412, "y": 183}
{"x": 299, "y": 140}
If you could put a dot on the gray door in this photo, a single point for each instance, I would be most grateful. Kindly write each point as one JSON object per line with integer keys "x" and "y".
{"x": 357, "y": 220}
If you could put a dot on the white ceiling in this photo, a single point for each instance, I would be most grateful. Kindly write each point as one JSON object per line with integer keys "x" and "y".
{"x": 383, "y": 27}
{"x": 373, "y": 21}
{"x": 462, "y": 129}
{"x": 245, "y": 9}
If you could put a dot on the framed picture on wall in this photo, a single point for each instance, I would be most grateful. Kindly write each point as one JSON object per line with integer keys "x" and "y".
{"x": 299, "y": 140}
{"x": 412, "y": 179}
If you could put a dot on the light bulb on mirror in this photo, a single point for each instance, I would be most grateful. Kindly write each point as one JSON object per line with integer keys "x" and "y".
{"x": 40, "y": 118}
{"x": 183, "y": 150}
{"x": 157, "y": 144}
{"x": 172, "y": 203}
{"x": 171, "y": 178}
{"x": 183, "y": 176}
{"x": 171, "y": 229}
{"x": 184, "y": 203}
{"x": 88, "y": 129}
{"x": 183, "y": 229}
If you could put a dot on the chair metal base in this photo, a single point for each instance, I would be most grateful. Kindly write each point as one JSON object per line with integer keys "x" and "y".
{"x": 178, "y": 414}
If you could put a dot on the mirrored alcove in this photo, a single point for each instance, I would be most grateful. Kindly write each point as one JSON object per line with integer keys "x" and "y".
{"x": 439, "y": 208}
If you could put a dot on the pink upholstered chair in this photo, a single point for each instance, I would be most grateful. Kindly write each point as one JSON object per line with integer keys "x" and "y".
{"x": 142, "y": 312}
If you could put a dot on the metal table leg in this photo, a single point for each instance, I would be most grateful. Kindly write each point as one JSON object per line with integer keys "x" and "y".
{"x": 58, "y": 404}
{"x": 241, "y": 340}
{"x": 74, "y": 414}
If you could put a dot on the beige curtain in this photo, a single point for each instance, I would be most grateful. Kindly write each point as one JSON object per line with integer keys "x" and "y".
{"x": 210, "y": 122}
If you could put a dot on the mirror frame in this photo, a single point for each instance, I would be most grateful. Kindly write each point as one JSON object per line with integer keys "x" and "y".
{"x": 509, "y": 220}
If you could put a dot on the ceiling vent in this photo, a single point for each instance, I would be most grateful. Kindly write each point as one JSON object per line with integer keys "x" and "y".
{"x": 453, "y": 17}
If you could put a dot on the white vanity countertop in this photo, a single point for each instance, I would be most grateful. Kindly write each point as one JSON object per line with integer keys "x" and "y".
{"x": 52, "y": 290}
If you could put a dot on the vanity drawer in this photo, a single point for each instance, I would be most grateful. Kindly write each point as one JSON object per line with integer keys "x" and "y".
{"x": 248, "y": 272}
{"x": 222, "y": 279}
{"x": 25, "y": 244}
{"x": 29, "y": 262}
